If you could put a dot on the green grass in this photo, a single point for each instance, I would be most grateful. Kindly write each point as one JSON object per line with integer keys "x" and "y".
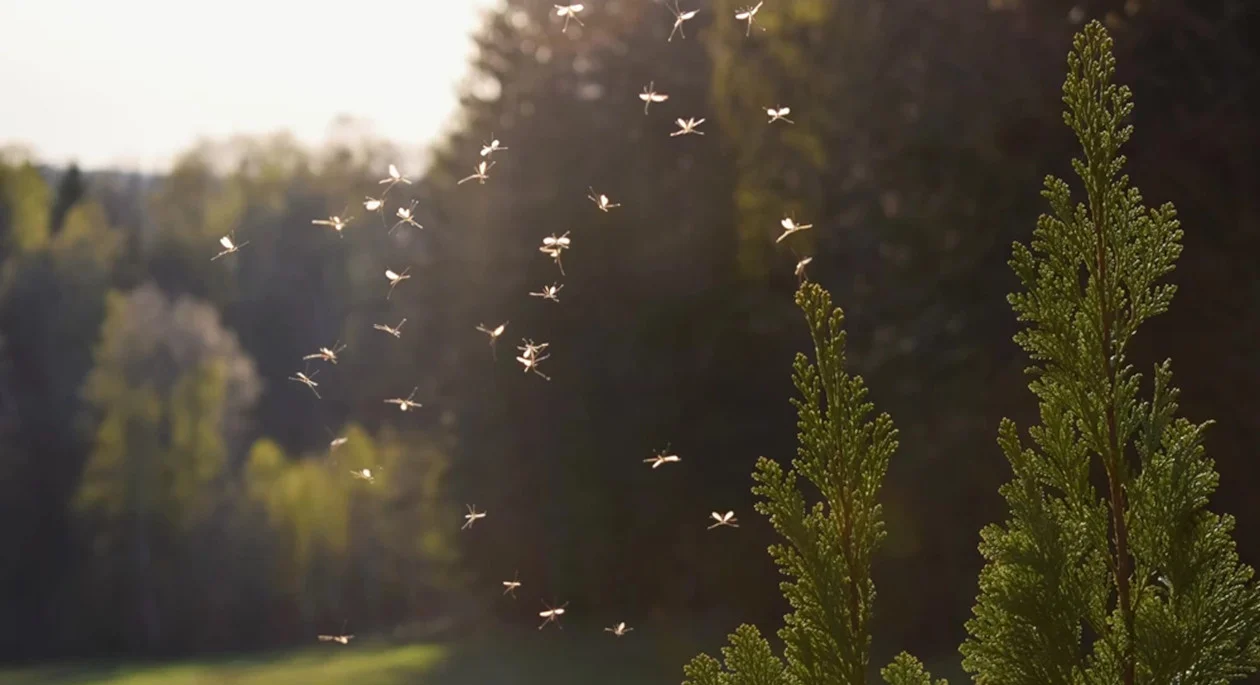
{"x": 579, "y": 654}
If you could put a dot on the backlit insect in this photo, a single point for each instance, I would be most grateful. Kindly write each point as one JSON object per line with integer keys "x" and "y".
{"x": 619, "y": 629}
{"x": 790, "y": 226}
{"x": 800, "y": 268}
{"x": 404, "y": 405}
{"x": 494, "y": 334}
{"x": 306, "y": 380}
{"x": 649, "y": 95}
{"x": 779, "y": 113}
{"x": 688, "y": 126}
{"x": 509, "y": 586}
{"x": 479, "y": 173}
{"x": 569, "y": 12}
{"x": 337, "y": 442}
{"x": 549, "y": 292}
{"x": 343, "y": 639}
{"x": 553, "y": 246}
{"x": 727, "y": 519}
{"x": 395, "y": 331}
{"x": 364, "y": 474}
{"x": 328, "y": 354}
{"x": 748, "y": 14}
{"x": 335, "y": 222}
{"x": 660, "y": 459}
{"x": 679, "y": 17}
{"x": 601, "y": 200}
{"x": 394, "y": 178}
{"x": 228, "y": 246}
{"x": 406, "y": 215}
{"x": 372, "y": 204}
{"x": 530, "y": 358}
{"x": 491, "y": 147}
{"x": 395, "y": 279}
{"x": 552, "y": 614}
{"x": 472, "y": 516}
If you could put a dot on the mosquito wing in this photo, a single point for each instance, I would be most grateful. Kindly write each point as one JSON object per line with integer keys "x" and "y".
{"x": 226, "y": 242}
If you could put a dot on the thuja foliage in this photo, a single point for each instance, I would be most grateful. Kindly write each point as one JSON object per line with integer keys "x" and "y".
{"x": 1110, "y": 568}
{"x": 1125, "y": 577}
{"x": 827, "y": 545}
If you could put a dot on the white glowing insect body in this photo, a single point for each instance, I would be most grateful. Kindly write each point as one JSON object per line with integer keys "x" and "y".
{"x": 601, "y": 201}
{"x": 479, "y": 173}
{"x": 569, "y": 12}
{"x": 660, "y": 459}
{"x": 395, "y": 279}
{"x": 551, "y": 614}
{"x": 727, "y": 519}
{"x": 372, "y": 204}
{"x": 364, "y": 474}
{"x": 530, "y": 358}
{"x": 800, "y": 267}
{"x": 472, "y": 516}
{"x": 491, "y": 147}
{"x": 748, "y": 14}
{"x": 328, "y": 354}
{"x": 679, "y": 17}
{"x": 549, "y": 292}
{"x": 404, "y": 405}
{"x": 395, "y": 177}
{"x": 395, "y": 331}
{"x": 406, "y": 215}
{"x": 553, "y": 246}
{"x": 778, "y": 113}
{"x": 343, "y": 639}
{"x": 687, "y": 127}
{"x": 649, "y": 95}
{"x": 509, "y": 586}
{"x": 228, "y": 246}
{"x": 337, "y": 442}
{"x": 619, "y": 629}
{"x": 494, "y": 334}
{"x": 790, "y": 226}
{"x": 306, "y": 380}
{"x": 335, "y": 222}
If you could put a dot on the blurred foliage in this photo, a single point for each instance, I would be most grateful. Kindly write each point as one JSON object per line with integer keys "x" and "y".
{"x": 920, "y": 129}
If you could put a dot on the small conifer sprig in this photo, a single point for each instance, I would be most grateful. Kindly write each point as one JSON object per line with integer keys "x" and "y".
{"x": 1136, "y": 582}
{"x": 828, "y": 545}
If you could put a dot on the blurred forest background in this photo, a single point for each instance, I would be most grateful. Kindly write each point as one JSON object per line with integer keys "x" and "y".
{"x": 165, "y": 490}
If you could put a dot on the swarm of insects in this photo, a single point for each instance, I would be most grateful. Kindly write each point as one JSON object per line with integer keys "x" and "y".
{"x": 778, "y": 113}
{"x": 569, "y": 12}
{"x": 687, "y": 127}
{"x": 552, "y": 614}
{"x": 480, "y": 172}
{"x": 649, "y": 95}
{"x": 680, "y": 16}
{"x": 727, "y": 519}
{"x": 472, "y": 516}
{"x": 228, "y": 246}
{"x": 749, "y": 14}
{"x": 790, "y": 226}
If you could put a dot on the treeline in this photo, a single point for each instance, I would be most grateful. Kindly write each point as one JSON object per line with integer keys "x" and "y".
{"x": 166, "y": 488}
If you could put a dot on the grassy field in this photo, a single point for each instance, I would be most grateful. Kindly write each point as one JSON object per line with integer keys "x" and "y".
{"x": 578, "y": 654}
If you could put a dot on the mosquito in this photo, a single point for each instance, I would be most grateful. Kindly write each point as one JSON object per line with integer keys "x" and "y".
{"x": 549, "y": 292}
{"x": 660, "y": 459}
{"x": 649, "y": 95}
{"x": 688, "y": 126}
{"x": 749, "y": 14}
{"x": 491, "y": 147}
{"x": 776, "y": 114}
{"x": 552, "y": 614}
{"x": 601, "y": 200}
{"x": 494, "y": 334}
{"x": 472, "y": 516}
{"x": 619, "y": 629}
{"x": 395, "y": 279}
{"x": 372, "y": 204}
{"x": 343, "y": 639}
{"x": 406, "y": 215}
{"x": 364, "y": 474}
{"x": 727, "y": 519}
{"x": 328, "y": 354}
{"x": 800, "y": 268}
{"x": 530, "y": 358}
{"x": 404, "y": 405}
{"x": 480, "y": 174}
{"x": 337, "y": 223}
{"x": 228, "y": 246}
{"x": 395, "y": 177}
{"x": 679, "y": 17}
{"x": 337, "y": 442}
{"x": 511, "y": 585}
{"x": 395, "y": 331}
{"x": 553, "y": 246}
{"x": 790, "y": 226}
{"x": 306, "y": 380}
{"x": 569, "y": 12}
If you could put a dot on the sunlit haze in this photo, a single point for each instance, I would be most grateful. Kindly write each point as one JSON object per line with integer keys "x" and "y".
{"x": 132, "y": 83}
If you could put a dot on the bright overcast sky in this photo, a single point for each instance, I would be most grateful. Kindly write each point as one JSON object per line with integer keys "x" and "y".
{"x": 131, "y": 83}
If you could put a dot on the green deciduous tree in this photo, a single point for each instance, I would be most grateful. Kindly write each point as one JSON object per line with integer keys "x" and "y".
{"x": 828, "y": 545}
{"x": 1110, "y": 568}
